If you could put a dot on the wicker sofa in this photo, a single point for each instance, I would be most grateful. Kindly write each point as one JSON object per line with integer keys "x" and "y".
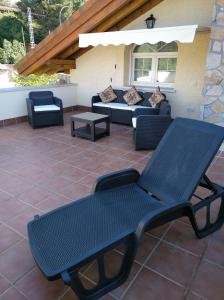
{"x": 119, "y": 111}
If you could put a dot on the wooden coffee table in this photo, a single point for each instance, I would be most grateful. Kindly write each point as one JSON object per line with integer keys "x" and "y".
{"x": 90, "y": 131}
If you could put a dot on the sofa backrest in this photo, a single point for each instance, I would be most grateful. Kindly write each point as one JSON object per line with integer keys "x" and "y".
{"x": 145, "y": 96}
{"x": 41, "y": 97}
{"x": 164, "y": 108}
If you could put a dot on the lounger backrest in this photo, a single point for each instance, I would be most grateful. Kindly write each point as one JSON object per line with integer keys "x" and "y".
{"x": 181, "y": 159}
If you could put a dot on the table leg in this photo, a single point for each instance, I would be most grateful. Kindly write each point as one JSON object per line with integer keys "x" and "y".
{"x": 92, "y": 132}
{"x": 72, "y": 128}
{"x": 108, "y": 127}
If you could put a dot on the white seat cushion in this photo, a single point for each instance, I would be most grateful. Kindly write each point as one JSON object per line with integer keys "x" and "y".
{"x": 51, "y": 107}
{"x": 134, "y": 122}
{"x": 122, "y": 106}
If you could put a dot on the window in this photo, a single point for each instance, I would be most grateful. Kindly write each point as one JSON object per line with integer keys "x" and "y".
{"x": 154, "y": 64}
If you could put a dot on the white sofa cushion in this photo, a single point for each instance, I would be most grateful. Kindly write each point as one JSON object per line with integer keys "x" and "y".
{"x": 122, "y": 106}
{"x": 51, "y": 107}
{"x": 134, "y": 122}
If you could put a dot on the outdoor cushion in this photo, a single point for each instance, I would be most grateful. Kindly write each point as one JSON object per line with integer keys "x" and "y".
{"x": 117, "y": 106}
{"x": 156, "y": 97}
{"x": 132, "y": 96}
{"x": 134, "y": 122}
{"x": 51, "y": 107}
{"x": 107, "y": 95}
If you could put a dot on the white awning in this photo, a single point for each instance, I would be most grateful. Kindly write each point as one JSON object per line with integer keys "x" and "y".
{"x": 183, "y": 34}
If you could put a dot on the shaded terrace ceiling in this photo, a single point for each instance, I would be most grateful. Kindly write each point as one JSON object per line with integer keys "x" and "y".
{"x": 59, "y": 50}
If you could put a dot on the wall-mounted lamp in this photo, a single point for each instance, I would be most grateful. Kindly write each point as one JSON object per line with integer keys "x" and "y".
{"x": 150, "y": 22}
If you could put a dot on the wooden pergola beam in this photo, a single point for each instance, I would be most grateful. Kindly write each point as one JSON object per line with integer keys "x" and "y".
{"x": 66, "y": 62}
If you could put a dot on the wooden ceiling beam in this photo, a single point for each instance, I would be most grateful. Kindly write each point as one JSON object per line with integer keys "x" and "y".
{"x": 46, "y": 52}
{"x": 81, "y": 16}
{"x": 55, "y": 62}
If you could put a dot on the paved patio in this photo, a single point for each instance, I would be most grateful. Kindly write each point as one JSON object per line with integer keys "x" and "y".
{"x": 44, "y": 168}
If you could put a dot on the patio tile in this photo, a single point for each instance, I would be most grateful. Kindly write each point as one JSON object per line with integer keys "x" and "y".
{"x": 70, "y": 295}
{"x": 159, "y": 231}
{"x": 36, "y": 287}
{"x": 16, "y": 261}
{"x": 173, "y": 263}
{"x": 149, "y": 285}
{"x": 215, "y": 249}
{"x": 193, "y": 296}
{"x": 12, "y": 294}
{"x": 7, "y": 237}
{"x": 209, "y": 281}
{"x": 10, "y": 208}
{"x": 75, "y": 191}
{"x": 34, "y": 195}
{"x": 20, "y": 222}
{"x": 53, "y": 201}
{"x": 4, "y": 284}
{"x": 182, "y": 235}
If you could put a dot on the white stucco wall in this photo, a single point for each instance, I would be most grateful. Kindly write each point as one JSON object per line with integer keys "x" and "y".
{"x": 13, "y": 100}
{"x": 96, "y": 69}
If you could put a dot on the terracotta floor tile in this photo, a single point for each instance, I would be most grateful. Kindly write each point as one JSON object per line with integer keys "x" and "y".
{"x": 34, "y": 195}
{"x": 149, "y": 285}
{"x": 20, "y": 222}
{"x": 11, "y": 208}
{"x": 75, "y": 191}
{"x": 173, "y": 263}
{"x": 209, "y": 281}
{"x": 7, "y": 237}
{"x": 36, "y": 287}
{"x": 53, "y": 201}
{"x": 145, "y": 248}
{"x": 12, "y": 294}
{"x": 159, "y": 231}
{"x": 193, "y": 296}
{"x": 4, "y": 284}
{"x": 16, "y": 261}
{"x": 183, "y": 236}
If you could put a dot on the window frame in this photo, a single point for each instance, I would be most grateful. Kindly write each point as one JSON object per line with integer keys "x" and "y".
{"x": 155, "y": 60}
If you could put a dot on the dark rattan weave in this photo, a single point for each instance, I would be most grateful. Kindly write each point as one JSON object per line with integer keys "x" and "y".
{"x": 70, "y": 234}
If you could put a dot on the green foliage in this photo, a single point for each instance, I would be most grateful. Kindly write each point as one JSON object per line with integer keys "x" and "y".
{"x": 11, "y": 52}
{"x": 45, "y": 14}
{"x": 11, "y": 28}
{"x": 5, "y": 3}
{"x": 34, "y": 80}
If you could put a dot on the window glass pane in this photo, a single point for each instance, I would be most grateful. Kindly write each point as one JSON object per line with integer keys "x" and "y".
{"x": 144, "y": 48}
{"x": 142, "y": 71}
{"x": 171, "y": 47}
{"x": 159, "y": 47}
{"x": 166, "y": 70}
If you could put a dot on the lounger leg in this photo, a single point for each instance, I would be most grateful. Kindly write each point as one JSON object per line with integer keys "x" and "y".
{"x": 210, "y": 225}
{"x": 104, "y": 285}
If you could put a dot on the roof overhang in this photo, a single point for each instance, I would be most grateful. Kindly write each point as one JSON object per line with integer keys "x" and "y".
{"x": 183, "y": 34}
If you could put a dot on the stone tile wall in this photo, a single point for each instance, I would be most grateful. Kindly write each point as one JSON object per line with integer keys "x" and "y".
{"x": 213, "y": 106}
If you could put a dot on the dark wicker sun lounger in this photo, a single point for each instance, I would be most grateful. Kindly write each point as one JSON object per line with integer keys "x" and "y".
{"x": 125, "y": 204}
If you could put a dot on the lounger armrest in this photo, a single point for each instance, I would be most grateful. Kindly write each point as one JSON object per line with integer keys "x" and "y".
{"x": 58, "y": 102}
{"x": 115, "y": 179}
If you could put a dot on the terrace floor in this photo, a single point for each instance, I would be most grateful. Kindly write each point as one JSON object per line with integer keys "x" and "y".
{"x": 45, "y": 168}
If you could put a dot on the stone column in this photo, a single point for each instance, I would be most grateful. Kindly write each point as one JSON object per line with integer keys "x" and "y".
{"x": 213, "y": 106}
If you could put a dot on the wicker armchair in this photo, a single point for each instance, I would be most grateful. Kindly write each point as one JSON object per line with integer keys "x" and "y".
{"x": 148, "y": 128}
{"x": 44, "y": 109}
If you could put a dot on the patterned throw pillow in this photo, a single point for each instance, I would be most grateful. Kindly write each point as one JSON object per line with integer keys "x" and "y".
{"x": 156, "y": 97}
{"x": 132, "y": 96}
{"x": 107, "y": 95}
